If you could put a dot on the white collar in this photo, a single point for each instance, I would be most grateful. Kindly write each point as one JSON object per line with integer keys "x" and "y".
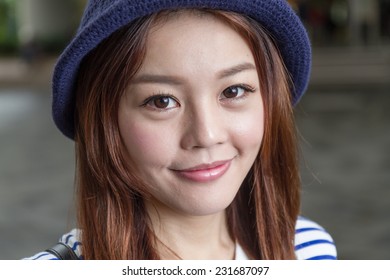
{"x": 240, "y": 254}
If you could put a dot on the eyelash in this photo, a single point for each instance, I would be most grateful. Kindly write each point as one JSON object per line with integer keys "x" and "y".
{"x": 156, "y": 96}
{"x": 247, "y": 89}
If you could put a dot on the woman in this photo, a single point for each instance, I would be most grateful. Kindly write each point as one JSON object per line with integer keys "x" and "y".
{"x": 181, "y": 112}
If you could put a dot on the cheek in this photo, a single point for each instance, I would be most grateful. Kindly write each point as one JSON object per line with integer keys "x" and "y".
{"x": 249, "y": 130}
{"x": 146, "y": 144}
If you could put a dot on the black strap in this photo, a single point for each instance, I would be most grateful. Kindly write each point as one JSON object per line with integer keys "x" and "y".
{"x": 62, "y": 251}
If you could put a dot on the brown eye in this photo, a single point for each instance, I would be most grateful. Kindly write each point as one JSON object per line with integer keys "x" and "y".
{"x": 237, "y": 91}
{"x": 161, "y": 102}
{"x": 233, "y": 91}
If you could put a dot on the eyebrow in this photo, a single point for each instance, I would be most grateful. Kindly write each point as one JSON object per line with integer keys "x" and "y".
{"x": 235, "y": 70}
{"x": 157, "y": 79}
{"x": 175, "y": 80}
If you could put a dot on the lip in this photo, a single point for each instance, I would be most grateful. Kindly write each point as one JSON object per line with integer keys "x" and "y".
{"x": 205, "y": 172}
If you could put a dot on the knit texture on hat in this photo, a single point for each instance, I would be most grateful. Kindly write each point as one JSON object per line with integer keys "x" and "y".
{"x": 103, "y": 17}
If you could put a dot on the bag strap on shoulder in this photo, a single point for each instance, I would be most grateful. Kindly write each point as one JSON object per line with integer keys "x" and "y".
{"x": 62, "y": 251}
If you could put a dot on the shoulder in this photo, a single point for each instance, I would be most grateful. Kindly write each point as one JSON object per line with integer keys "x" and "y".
{"x": 72, "y": 239}
{"x": 313, "y": 242}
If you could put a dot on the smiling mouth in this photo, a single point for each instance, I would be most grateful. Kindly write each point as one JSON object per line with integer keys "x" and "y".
{"x": 205, "y": 172}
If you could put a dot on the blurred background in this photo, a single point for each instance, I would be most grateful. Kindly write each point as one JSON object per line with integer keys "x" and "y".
{"x": 343, "y": 122}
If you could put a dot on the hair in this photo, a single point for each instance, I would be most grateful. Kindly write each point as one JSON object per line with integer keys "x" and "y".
{"x": 110, "y": 195}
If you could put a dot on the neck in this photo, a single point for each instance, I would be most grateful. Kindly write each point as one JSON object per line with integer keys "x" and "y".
{"x": 190, "y": 237}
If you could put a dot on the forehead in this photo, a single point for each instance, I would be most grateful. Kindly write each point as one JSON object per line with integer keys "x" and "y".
{"x": 194, "y": 37}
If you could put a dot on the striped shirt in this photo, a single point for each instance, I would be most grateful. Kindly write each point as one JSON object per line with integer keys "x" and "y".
{"x": 312, "y": 242}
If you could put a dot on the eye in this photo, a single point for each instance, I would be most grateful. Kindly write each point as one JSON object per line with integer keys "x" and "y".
{"x": 236, "y": 91}
{"x": 161, "y": 102}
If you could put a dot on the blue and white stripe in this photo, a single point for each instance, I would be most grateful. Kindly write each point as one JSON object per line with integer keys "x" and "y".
{"x": 312, "y": 242}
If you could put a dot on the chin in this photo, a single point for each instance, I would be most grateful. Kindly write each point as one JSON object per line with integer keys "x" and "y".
{"x": 205, "y": 208}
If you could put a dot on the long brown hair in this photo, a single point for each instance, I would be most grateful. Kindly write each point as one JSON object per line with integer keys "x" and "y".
{"x": 111, "y": 211}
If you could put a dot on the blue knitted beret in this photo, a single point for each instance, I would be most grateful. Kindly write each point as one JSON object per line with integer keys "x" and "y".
{"x": 103, "y": 17}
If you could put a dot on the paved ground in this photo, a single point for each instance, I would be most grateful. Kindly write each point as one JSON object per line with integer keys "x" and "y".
{"x": 345, "y": 167}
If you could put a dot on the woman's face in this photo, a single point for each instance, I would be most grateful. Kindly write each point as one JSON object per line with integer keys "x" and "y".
{"x": 192, "y": 117}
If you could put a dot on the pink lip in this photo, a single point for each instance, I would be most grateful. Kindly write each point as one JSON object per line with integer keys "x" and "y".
{"x": 205, "y": 172}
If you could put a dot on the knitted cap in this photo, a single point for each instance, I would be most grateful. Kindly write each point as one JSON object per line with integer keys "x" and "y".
{"x": 103, "y": 17}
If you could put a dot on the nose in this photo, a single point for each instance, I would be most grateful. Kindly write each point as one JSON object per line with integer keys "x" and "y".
{"x": 205, "y": 127}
